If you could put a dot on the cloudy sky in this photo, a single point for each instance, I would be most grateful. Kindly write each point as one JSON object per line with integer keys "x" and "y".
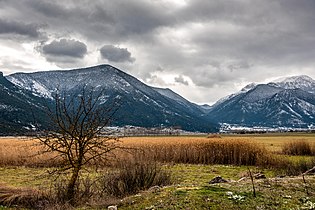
{"x": 201, "y": 49}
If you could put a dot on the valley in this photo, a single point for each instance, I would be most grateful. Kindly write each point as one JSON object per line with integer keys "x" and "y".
{"x": 159, "y": 104}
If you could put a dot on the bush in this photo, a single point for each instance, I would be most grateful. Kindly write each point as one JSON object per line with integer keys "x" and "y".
{"x": 300, "y": 147}
{"x": 132, "y": 177}
{"x": 85, "y": 189}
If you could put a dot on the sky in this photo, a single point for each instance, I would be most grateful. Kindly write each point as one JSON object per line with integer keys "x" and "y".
{"x": 203, "y": 50}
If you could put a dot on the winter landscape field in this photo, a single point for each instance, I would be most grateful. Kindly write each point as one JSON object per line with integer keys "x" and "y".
{"x": 170, "y": 172}
{"x": 157, "y": 104}
{"x": 100, "y": 138}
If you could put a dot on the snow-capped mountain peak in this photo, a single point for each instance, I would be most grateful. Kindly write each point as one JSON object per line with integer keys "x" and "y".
{"x": 248, "y": 87}
{"x": 293, "y": 79}
{"x": 303, "y": 82}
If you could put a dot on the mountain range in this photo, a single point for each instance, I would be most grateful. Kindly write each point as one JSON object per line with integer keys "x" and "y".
{"x": 24, "y": 98}
{"x": 289, "y": 102}
{"x": 140, "y": 104}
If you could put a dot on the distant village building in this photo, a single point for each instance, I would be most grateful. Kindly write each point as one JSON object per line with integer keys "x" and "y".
{"x": 142, "y": 131}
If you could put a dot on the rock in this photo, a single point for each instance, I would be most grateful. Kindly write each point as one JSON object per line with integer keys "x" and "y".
{"x": 217, "y": 179}
{"x": 242, "y": 179}
{"x": 112, "y": 207}
{"x": 229, "y": 193}
{"x": 259, "y": 176}
{"x": 150, "y": 207}
{"x": 287, "y": 196}
{"x": 154, "y": 189}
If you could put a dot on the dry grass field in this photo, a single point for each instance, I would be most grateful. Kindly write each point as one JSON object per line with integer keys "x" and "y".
{"x": 271, "y": 142}
{"x": 25, "y": 151}
{"x": 192, "y": 162}
{"x": 22, "y": 151}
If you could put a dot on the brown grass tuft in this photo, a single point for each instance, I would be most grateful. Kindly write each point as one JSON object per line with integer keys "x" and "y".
{"x": 300, "y": 147}
{"x": 132, "y": 177}
{"x": 206, "y": 151}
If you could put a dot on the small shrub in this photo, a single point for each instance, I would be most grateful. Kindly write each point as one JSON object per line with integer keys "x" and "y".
{"x": 132, "y": 177}
{"x": 300, "y": 147}
{"x": 85, "y": 189}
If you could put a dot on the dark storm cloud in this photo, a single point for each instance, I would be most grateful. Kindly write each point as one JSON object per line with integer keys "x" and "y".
{"x": 116, "y": 54}
{"x": 65, "y": 47}
{"x": 117, "y": 20}
{"x": 65, "y": 53}
{"x": 29, "y": 30}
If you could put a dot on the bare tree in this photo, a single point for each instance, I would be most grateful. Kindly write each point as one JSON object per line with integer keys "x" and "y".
{"x": 76, "y": 133}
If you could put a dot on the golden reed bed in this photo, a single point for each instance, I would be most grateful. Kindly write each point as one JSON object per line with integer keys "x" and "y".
{"x": 231, "y": 149}
{"x": 19, "y": 151}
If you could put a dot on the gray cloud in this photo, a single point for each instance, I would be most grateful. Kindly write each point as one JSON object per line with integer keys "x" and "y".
{"x": 7, "y": 64}
{"x": 65, "y": 47}
{"x": 219, "y": 45}
{"x": 115, "y": 21}
{"x": 116, "y": 54}
{"x": 29, "y": 30}
{"x": 65, "y": 53}
{"x": 180, "y": 79}
{"x": 49, "y": 9}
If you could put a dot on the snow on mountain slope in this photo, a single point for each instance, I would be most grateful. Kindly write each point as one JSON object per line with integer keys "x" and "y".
{"x": 103, "y": 77}
{"x": 243, "y": 90}
{"x": 31, "y": 85}
{"x": 43, "y": 83}
{"x": 170, "y": 94}
{"x": 17, "y": 108}
{"x": 260, "y": 92}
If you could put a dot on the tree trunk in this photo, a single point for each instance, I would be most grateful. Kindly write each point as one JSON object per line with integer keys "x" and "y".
{"x": 71, "y": 185}
{"x": 75, "y": 176}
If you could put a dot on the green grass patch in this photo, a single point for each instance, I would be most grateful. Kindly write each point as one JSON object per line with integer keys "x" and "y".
{"x": 193, "y": 191}
{"x": 24, "y": 177}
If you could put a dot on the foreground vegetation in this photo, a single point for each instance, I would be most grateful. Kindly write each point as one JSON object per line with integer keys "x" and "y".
{"x": 170, "y": 173}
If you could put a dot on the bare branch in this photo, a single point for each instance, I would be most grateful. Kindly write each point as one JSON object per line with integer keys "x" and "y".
{"x": 77, "y": 124}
